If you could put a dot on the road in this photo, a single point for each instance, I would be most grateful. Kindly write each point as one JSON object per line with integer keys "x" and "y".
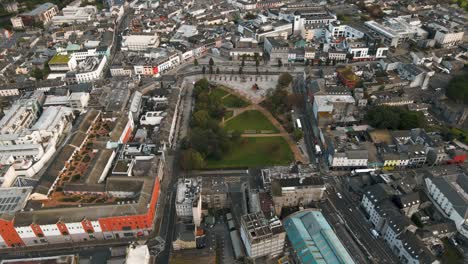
{"x": 307, "y": 121}
{"x": 360, "y": 228}
{"x": 344, "y": 215}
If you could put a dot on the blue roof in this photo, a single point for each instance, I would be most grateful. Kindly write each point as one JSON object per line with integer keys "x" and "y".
{"x": 313, "y": 239}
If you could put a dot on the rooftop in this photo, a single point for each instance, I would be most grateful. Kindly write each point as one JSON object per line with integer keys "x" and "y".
{"x": 59, "y": 59}
{"x": 313, "y": 238}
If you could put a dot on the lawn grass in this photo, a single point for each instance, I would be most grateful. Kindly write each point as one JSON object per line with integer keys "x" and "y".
{"x": 250, "y": 120}
{"x": 255, "y": 152}
{"x": 219, "y": 92}
{"x": 234, "y": 102}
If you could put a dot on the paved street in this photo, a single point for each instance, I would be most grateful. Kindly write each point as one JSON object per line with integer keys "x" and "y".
{"x": 360, "y": 228}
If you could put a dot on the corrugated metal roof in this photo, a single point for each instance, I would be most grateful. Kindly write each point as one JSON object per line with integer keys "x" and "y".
{"x": 313, "y": 239}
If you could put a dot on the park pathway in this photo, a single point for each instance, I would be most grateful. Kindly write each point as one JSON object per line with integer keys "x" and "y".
{"x": 282, "y": 132}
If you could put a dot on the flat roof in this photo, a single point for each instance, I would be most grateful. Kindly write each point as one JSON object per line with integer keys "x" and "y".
{"x": 90, "y": 212}
{"x": 59, "y": 59}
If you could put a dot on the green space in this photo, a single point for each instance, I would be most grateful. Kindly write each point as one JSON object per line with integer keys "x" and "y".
{"x": 255, "y": 152}
{"x": 228, "y": 114}
{"x": 220, "y": 93}
{"x": 394, "y": 117}
{"x": 250, "y": 120}
{"x": 451, "y": 255}
{"x": 457, "y": 90}
{"x": 233, "y": 101}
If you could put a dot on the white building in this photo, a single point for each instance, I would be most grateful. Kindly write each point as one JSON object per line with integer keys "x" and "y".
{"x": 448, "y": 38}
{"x": 398, "y": 30}
{"x": 350, "y": 159}
{"x": 337, "y": 30}
{"x": 450, "y": 195}
{"x": 17, "y": 22}
{"x": 188, "y": 200}
{"x": 262, "y": 236}
{"x": 75, "y": 15}
{"x": 140, "y": 42}
{"x": 91, "y": 69}
{"x": 152, "y": 118}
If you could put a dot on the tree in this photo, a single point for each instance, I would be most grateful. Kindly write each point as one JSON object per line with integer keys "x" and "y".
{"x": 457, "y": 89}
{"x": 297, "y": 134}
{"x": 392, "y": 117}
{"x": 201, "y": 118}
{"x": 280, "y": 63}
{"x": 211, "y": 62}
{"x": 195, "y": 62}
{"x": 284, "y": 79}
{"x": 203, "y": 69}
{"x": 257, "y": 62}
{"x": 249, "y": 16}
{"x": 191, "y": 159}
{"x": 295, "y": 100}
{"x": 217, "y": 70}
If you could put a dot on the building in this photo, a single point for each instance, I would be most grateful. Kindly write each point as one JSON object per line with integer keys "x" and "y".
{"x": 313, "y": 240}
{"x": 152, "y": 118}
{"x": 63, "y": 63}
{"x": 262, "y": 236}
{"x": 417, "y": 76}
{"x": 88, "y": 70}
{"x": 298, "y": 191}
{"x": 93, "y": 205}
{"x": 188, "y": 200}
{"x": 328, "y": 109}
{"x": 398, "y": 30}
{"x": 140, "y": 42}
{"x": 185, "y": 237}
{"x": 214, "y": 193}
{"x": 75, "y": 15}
{"x": 347, "y": 77}
{"x": 42, "y": 14}
{"x": 350, "y": 159}
{"x": 450, "y": 196}
{"x": 446, "y": 35}
{"x": 17, "y": 22}
{"x": 62, "y": 259}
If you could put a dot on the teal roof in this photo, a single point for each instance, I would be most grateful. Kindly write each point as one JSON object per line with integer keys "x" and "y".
{"x": 313, "y": 239}
{"x": 73, "y": 47}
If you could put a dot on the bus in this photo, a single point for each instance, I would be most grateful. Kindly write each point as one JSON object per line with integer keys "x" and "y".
{"x": 298, "y": 123}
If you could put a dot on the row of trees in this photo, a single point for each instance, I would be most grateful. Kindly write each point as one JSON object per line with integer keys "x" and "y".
{"x": 280, "y": 102}
{"x": 207, "y": 139}
{"x": 393, "y": 117}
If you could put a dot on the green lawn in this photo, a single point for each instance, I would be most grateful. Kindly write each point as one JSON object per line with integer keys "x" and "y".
{"x": 234, "y": 102}
{"x": 255, "y": 152}
{"x": 250, "y": 120}
{"x": 219, "y": 92}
